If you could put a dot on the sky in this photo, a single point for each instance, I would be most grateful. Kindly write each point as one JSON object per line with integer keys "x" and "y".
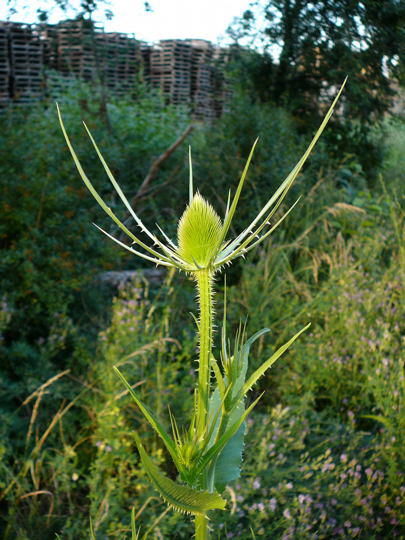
{"x": 199, "y": 19}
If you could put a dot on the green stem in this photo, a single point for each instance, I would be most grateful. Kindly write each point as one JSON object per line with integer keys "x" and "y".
{"x": 201, "y": 528}
{"x": 204, "y": 288}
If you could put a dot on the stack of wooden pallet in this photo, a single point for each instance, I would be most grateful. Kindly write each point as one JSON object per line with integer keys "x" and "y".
{"x": 75, "y": 48}
{"x": 146, "y": 52}
{"x": 202, "y": 73}
{"x": 4, "y": 66}
{"x": 119, "y": 61}
{"x": 25, "y": 57}
{"x": 170, "y": 70}
{"x": 49, "y": 36}
{"x": 187, "y": 72}
{"x": 221, "y": 90}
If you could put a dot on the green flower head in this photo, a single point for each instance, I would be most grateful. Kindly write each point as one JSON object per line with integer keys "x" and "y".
{"x": 199, "y": 232}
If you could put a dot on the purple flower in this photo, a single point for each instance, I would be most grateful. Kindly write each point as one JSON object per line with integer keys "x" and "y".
{"x": 272, "y": 504}
{"x": 287, "y": 514}
{"x": 256, "y": 483}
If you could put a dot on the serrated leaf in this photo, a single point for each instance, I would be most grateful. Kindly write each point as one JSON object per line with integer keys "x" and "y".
{"x": 228, "y": 463}
{"x": 180, "y": 497}
{"x": 213, "y": 452}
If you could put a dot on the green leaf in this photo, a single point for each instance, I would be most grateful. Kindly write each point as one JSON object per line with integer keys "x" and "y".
{"x": 264, "y": 367}
{"x": 245, "y": 350}
{"x": 218, "y": 376}
{"x": 211, "y": 455}
{"x": 228, "y": 465}
{"x": 154, "y": 422}
{"x": 180, "y": 497}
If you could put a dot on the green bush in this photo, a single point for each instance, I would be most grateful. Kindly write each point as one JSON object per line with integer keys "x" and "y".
{"x": 50, "y": 252}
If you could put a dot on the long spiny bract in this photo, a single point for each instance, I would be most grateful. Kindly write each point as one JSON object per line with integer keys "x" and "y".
{"x": 134, "y": 251}
{"x": 169, "y": 254}
{"x": 100, "y": 201}
{"x": 119, "y": 190}
{"x": 230, "y": 213}
{"x": 283, "y": 189}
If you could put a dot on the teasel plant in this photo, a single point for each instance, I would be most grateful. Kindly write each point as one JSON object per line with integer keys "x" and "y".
{"x": 208, "y": 454}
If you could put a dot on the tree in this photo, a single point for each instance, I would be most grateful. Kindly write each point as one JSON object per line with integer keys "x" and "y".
{"x": 68, "y": 7}
{"x": 314, "y": 45}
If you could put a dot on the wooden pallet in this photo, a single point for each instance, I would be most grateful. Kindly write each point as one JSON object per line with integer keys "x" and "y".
{"x": 185, "y": 71}
{"x": 25, "y": 62}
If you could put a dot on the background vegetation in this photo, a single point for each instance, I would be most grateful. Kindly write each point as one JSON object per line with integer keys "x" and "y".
{"x": 324, "y": 453}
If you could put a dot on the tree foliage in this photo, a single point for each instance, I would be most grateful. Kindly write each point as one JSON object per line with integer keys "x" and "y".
{"x": 311, "y": 46}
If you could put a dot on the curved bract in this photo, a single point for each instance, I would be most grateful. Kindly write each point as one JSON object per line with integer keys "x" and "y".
{"x": 200, "y": 223}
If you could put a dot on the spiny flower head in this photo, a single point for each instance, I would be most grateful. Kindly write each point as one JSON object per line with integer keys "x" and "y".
{"x": 202, "y": 241}
{"x": 199, "y": 232}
